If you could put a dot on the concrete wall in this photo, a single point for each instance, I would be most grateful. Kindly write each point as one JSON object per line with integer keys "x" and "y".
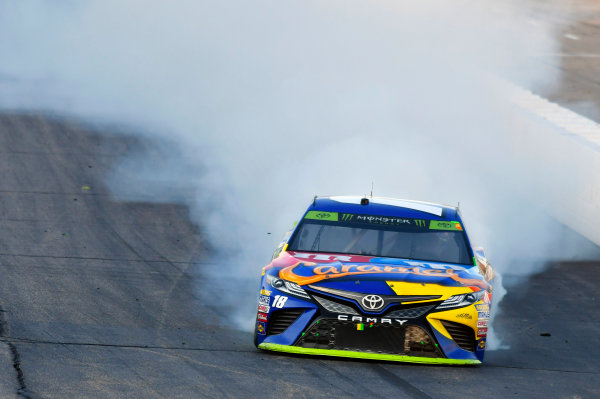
{"x": 567, "y": 180}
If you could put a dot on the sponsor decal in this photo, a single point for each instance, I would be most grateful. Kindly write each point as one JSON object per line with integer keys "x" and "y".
{"x": 323, "y": 257}
{"x": 347, "y": 217}
{"x": 464, "y": 316}
{"x": 420, "y": 223}
{"x": 482, "y": 332}
{"x": 381, "y": 220}
{"x": 265, "y": 292}
{"x": 372, "y": 302}
{"x": 264, "y": 300}
{"x": 279, "y": 301}
{"x": 333, "y": 271}
{"x": 329, "y": 271}
{"x": 483, "y": 315}
{"x": 358, "y": 218}
{"x": 261, "y": 327}
{"x": 319, "y": 258}
{"x": 320, "y": 215}
{"x": 380, "y": 320}
{"x": 487, "y": 299}
{"x": 360, "y": 327}
{"x": 263, "y": 308}
{"x": 262, "y": 317}
{"x": 481, "y": 344}
{"x": 386, "y": 220}
{"x": 482, "y": 307}
{"x": 482, "y": 324}
{"x": 442, "y": 225}
{"x": 435, "y": 266}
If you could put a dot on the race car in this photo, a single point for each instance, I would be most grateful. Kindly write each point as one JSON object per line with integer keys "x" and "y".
{"x": 377, "y": 278}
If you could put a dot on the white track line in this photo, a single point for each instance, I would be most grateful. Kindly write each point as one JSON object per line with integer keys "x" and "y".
{"x": 582, "y": 128}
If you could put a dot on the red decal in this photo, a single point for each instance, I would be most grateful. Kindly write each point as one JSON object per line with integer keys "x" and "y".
{"x": 262, "y": 317}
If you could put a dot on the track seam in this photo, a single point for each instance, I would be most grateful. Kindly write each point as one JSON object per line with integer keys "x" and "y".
{"x": 16, "y": 358}
{"x": 111, "y": 259}
{"x": 10, "y": 340}
{"x": 539, "y": 369}
{"x": 394, "y": 379}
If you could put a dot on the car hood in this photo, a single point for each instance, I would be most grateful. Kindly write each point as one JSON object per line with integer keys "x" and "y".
{"x": 353, "y": 272}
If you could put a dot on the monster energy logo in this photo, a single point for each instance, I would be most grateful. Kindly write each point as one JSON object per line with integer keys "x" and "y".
{"x": 346, "y": 217}
{"x": 373, "y": 219}
{"x": 420, "y": 222}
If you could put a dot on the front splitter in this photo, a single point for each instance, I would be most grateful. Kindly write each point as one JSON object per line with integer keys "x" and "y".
{"x": 363, "y": 355}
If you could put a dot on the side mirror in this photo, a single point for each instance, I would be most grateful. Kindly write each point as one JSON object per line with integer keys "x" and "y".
{"x": 479, "y": 252}
{"x": 484, "y": 265}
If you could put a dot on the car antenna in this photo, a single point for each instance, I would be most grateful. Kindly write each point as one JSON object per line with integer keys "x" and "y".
{"x": 458, "y": 206}
{"x": 371, "y": 189}
{"x": 315, "y": 201}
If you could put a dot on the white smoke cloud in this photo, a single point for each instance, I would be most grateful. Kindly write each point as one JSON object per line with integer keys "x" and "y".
{"x": 260, "y": 105}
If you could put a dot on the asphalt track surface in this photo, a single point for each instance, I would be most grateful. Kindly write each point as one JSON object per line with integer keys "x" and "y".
{"x": 104, "y": 298}
{"x": 576, "y": 60}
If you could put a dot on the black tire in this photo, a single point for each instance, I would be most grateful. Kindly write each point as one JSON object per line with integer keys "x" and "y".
{"x": 256, "y": 332}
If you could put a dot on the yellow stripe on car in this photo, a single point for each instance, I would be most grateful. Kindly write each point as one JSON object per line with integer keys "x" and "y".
{"x": 404, "y": 288}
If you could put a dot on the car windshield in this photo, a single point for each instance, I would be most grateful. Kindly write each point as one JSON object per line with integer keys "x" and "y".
{"x": 430, "y": 240}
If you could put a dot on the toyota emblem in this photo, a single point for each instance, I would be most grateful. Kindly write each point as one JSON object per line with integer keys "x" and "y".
{"x": 372, "y": 302}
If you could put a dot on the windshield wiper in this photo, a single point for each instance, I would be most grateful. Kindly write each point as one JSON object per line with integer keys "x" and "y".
{"x": 317, "y": 241}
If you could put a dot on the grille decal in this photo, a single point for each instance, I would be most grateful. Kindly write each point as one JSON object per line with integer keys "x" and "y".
{"x": 378, "y": 338}
{"x": 335, "y": 307}
{"x": 387, "y": 299}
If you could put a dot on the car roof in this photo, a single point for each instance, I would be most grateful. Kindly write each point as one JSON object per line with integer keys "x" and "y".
{"x": 385, "y": 207}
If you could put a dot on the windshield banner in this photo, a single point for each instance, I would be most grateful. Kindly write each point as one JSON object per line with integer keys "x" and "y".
{"x": 352, "y": 218}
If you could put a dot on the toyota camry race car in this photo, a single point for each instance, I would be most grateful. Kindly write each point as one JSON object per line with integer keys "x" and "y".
{"x": 377, "y": 278}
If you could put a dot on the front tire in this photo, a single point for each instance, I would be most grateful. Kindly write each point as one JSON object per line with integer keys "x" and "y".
{"x": 256, "y": 331}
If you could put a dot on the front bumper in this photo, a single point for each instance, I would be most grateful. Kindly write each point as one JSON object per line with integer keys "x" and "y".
{"x": 416, "y": 333}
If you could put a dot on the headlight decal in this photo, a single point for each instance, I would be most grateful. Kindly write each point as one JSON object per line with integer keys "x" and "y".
{"x": 287, "y": 287}
{"x": 459, "y": 301}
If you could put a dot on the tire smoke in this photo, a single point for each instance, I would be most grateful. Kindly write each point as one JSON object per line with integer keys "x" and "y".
{"x": 260, "y": 105}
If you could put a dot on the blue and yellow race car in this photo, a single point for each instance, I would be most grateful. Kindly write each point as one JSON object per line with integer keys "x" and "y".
{"x": 377, "y": 278}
